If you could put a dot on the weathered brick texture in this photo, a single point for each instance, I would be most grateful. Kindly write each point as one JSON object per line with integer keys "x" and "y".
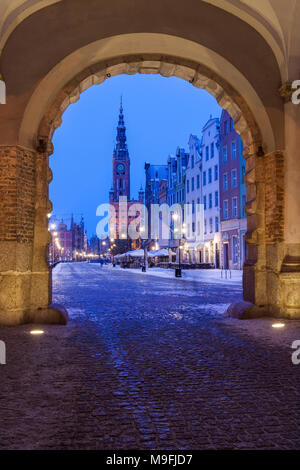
{"x": 274, "y": 197}
{"x": 17, "y": 194}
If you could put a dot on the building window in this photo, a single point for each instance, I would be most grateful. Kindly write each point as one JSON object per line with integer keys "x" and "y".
{"x": 211, "y": 225}
{"x": 243, "y": 173}
{"x": 204, "y": 202}
{"x": 212, "y": 150}
{"x": 182, "y": 192}
{"x": 234, "y": 250}
{"x": 225, "y": 209}
{"x": 243, "y": 206}
{"x": 198, "y": 204}
{"x": 225, "y": 181}
{"x": 233, "y": 150}
{"x": 192, "y": 161}
{"x": 234, "y": 178}
{"x": 225, "y": 153}
{"x": 207, "y": 152}
{"x": 216, "y": 224}
{"x": 234, "y": 207}
{"x": 193, "y": 207}
{"x": 210, "y": 200}
{"x": 193, "y": 227}
{"x": 193, "y": 184}
{"x": 216, "y": 198}
{"x": 216, "y": 172}
{"x": 209, "y": 175}
{"x": 204, "y": 178}
{"x": 188, "y": 230}
{"x": 231, "y": 124}
{"x": 198, "y": 181}
{"x": 198, "y": 228}
{"x": 187, "y": 186}
{"x": 205, "y": 227}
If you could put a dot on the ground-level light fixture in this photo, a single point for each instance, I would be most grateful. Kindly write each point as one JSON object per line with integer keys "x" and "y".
{"x": 278, "y": 325}
{"x": 37, "y": 332}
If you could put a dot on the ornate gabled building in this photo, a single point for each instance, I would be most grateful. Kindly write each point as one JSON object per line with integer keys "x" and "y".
{"x": 119, "y": 195}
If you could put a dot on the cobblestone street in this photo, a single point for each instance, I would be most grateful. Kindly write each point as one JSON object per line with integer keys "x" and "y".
{"x": 148, "y": 363}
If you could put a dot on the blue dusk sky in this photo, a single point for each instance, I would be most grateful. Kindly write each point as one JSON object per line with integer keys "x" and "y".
{"x": 160, "y": 114}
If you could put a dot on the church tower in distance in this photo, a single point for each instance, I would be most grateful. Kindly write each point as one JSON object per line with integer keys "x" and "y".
{"x": 119, "y": 195}
{"x": 121, "y": 162}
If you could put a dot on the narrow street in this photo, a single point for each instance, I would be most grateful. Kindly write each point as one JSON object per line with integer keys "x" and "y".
{"x": 148, "y": 363}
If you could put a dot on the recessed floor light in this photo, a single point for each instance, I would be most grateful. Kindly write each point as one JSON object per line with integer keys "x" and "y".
{"x": 278, "y": 325}
{"x": 36, "y": 332}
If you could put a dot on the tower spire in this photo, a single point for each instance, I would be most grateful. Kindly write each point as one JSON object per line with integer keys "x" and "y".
{"x": 121, "y": 161}
{"x": 121, "y": 143}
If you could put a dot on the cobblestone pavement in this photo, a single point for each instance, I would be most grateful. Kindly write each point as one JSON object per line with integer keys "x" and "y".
{"x": 148, "y": 363}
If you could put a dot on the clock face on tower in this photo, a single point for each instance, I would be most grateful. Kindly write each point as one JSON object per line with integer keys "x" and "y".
{"x": 120, "y": 168}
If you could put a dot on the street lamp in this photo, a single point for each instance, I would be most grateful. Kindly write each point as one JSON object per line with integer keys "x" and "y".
{"x": 178, "y": 270}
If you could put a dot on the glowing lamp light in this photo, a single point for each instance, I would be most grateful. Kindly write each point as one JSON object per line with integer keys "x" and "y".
{"x": 36, "y": 332}
{"x": 278, "y": 325}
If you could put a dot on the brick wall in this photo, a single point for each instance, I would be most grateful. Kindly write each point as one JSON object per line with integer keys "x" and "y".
{"x": 274, "y": 197}
{"x": 17, "y": 193}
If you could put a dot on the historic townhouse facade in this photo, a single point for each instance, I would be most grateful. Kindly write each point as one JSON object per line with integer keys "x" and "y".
{"x": 176, "y": 197}
{"x": 193, "y": 200}
{"x": 211, "y": 190}
{"x": 180, "y": 229}
{"x": 232, "y": 196}
{"x": 163, "y": 239}
{"x": 154, "y": 174}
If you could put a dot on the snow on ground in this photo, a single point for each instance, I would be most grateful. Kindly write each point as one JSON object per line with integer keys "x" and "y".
{"x": 200, "y": 275}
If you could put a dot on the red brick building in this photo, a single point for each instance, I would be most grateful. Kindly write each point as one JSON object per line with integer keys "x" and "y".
{"x": 232, "y": 195}
{"x": 119, "y": 196}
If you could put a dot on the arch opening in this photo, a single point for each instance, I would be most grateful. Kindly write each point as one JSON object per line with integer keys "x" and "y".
{"x": 52, "y": 96}
{"x": 199, "y": 76}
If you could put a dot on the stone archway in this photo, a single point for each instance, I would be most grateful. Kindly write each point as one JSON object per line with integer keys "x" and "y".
{"x": 262, "y": 178}
{"x": 28, "y": 286}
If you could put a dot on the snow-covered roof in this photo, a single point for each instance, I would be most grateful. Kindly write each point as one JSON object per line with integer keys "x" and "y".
{"x": 162, "y": 252}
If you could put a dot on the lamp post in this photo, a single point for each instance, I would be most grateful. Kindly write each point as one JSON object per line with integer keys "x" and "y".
{"x": 180, "y": 247}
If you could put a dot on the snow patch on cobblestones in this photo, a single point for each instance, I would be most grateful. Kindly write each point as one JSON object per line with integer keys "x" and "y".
{"x": 197, "y": 275}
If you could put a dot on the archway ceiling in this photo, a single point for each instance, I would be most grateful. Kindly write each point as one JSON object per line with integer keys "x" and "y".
{"x": 275, "y": 20}
{"x": 38, "y": 35}
{"x": 51, "y": 34}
